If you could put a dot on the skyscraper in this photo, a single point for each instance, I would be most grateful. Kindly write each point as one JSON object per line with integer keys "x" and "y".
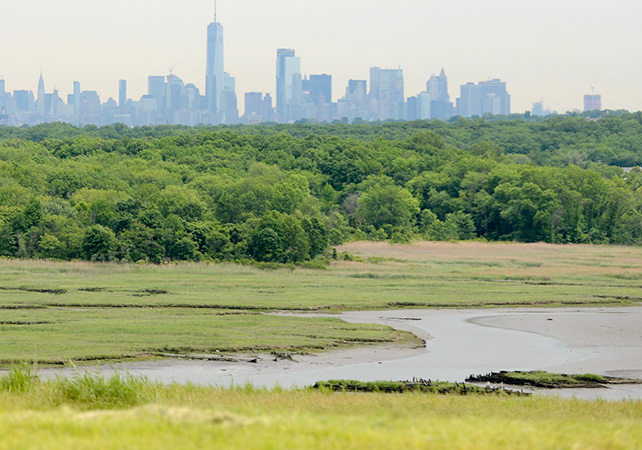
{"x": 157, "y": 90}
{"x": 486, "y": 97}
{"x": 229, "y": 113}
{"x": 214, "y": 72}
{"x": 495, "y": 98}
{"x": 386, "y": 93}
{"x": 40, "y": 103}
{"x": 122, "y": 93}
{"x": 288, "y": 85}
{"x": 469, "y": 101}
{"x": 77, "y": 99}
{"x": 355, "y": 103}
{"x": 321, "y": 89}
{"x": 592, "y": 102}
{"x": 437, "y": 89}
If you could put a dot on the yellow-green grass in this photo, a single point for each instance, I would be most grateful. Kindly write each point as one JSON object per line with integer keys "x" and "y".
{"x": 55, "y": 311}
{"x": 245, "y": 418}
{"x": 422, "y": 274}
{"x": 58, "y": 335}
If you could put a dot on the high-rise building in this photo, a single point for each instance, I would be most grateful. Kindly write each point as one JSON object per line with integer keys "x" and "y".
{"x": 122, "y": 93}
{"x": 253, "y": 107}
{"x": 495, "y": 98}
{"x": 258, "y": 108}
{"x": 174, "y": 92}
{"x": 386, "y": 93}
{"x": 55, "y": 103}
{"x": 4, "y": 99}
{"x": 157, "y": 90}
{"x": 229, "y": 103}
{"x": 24, "y": 100}
{"x": 77, "y": 99}
{"x": 469, "y": 101}
{"x": 214, "y": 72}
{"x": 592, "y": 102}
{"x": 424, "y": 103}
{"x": 358, "y": 88}
{"x": 320, "y": 89}
{"x": 486, "y": 97}
{"x": 90, "y": 108}
{"x": 289, "y": 89}
{"x": 437, "y": 87}
{"x": 41, "y": 102}
{"x": 355, "y": 103}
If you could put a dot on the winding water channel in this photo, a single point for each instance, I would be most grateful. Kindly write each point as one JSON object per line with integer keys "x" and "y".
{"x": 458, "y": 343}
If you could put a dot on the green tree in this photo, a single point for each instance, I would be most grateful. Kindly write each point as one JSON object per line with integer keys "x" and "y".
{"x": 99, "y": 244}
{"x": 384, "y": 203}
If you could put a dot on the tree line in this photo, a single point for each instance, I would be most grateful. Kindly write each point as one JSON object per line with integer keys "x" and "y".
{"x": 285, "y": 193}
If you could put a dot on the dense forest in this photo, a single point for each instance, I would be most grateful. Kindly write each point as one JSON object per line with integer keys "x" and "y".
{"x": 284, "y": 193}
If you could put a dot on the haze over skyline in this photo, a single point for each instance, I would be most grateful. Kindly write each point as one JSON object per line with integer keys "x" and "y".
{"x": 550, "y": 51}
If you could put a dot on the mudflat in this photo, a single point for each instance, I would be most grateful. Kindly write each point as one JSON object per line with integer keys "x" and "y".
{"x": 609, "y": 339}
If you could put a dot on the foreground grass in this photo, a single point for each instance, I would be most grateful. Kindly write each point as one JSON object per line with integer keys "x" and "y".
{"x": 132, "y": 413}
{"x": 53, "y": 312}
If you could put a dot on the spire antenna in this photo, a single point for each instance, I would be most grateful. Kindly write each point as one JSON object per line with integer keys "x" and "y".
{"x": 214, "y": 11}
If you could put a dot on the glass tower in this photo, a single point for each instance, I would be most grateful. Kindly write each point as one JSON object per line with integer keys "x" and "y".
{"x": 214, "y": 73}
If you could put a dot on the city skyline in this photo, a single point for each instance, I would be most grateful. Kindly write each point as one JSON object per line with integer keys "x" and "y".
{"x": 252, "y": 63}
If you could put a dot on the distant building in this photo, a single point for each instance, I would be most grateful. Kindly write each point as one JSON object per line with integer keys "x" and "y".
{"x": 41, "y": 102}
{"x": 424, "y": 103}
{"x": 539, "y": 110}
{"x": 411, "y": 108}
{"x": 173, "y": 96}
{"x": 486, "y": 97}
{"x": 258, "y": 108}
{"x": 437, "y": 87}
{"x": 215, "y": 73}
{"x": 122, "y": 93}
{"x": 386, "y": 94}
{"x": 355, "y": 102}
{"x": 24, "y": 100}
{"x": 156, "y": 90}
{"x": 289, "y": 89}
{"x": 469, "y": 101}
{"x": 77, "y": 99}
{"x": 320, "y": 89}
{"x": 229, "y": 103}
{"x": 592, "y": 102}
{"x": 440, "y": 106}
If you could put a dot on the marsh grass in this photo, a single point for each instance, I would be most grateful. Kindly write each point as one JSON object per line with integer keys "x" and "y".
{"x": 21, "y": 378}
{"x": 549, "y": 380}
{"x": 415, "y": 386}
{"x": 82, "y": 391}
{"x": 56, "y": 312}
{"x": 94, "y": 391}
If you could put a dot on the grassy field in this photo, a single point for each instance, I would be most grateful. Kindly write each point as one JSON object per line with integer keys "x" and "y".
{"x": 52, "y": 312}
{"x": 131, "y": 413}
{"x": 57, "y": 312}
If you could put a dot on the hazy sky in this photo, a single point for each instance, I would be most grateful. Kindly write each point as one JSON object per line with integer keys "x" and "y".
{"x": 550, "y": 50}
